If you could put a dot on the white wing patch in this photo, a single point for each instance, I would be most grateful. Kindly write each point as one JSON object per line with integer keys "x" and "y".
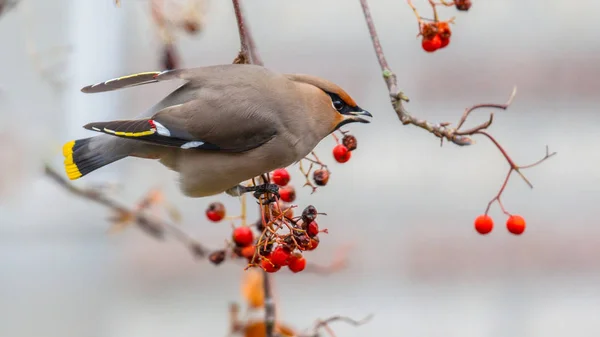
{"x": 161, "y": 129}
{"x": 192, "y": 144}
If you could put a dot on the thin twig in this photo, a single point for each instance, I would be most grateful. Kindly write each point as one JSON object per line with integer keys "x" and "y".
{"x": 398, "y": 98}
{"x": 151, "y": 226}
{"x": 324, "y": 324}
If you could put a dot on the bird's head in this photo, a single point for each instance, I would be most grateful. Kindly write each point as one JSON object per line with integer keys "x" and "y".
{"x": 338, "y": 103}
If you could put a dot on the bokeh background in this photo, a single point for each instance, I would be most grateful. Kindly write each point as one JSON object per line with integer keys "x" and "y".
{"x": 405, "y": 202}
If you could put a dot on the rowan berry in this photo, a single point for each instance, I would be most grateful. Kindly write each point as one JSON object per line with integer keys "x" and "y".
{"x": 341, "y": 153}
{"x": 281, "y": 177}
{"x": 349, "y": 141}
{"x": 313, "y": 229}
{"x": 463, "y": 5}
{"x": 515, "y": 224}
{"x": 313, "y": 243}
{"x": 268, "y": 266}
{"x": 432, "y": 44}
{"x": 248, "y": 251}
{"x": 280, "y": 256}
{"x": 215, "y": 212}
{"x": 321, "y": 177}
{"x": 444, "y": 30}
{"x": 484, "y": 224}
{"x": 297, "y": 263}
{"x": 217, "y": 257}
{"x": 429, "y": 30}
{"x": 242, "y": 236}
{"x": 309, "y": 214}
{"x": 287, "y": 193}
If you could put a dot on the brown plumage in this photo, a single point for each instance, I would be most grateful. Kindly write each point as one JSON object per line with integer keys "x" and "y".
{"x": 227, "y": 124}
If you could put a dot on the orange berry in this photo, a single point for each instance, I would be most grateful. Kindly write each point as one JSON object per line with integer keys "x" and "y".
{"x": 444, "y": 30}
{"x": 515, "y": 224}
{"x": 268, "y": 266}
{"x": 297, "y": 263}
{"x": 484, "y": 224}
{"x": 248, "y": 251}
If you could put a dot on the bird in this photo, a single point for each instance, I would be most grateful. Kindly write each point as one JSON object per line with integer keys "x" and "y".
{"x": 225, "y": 125}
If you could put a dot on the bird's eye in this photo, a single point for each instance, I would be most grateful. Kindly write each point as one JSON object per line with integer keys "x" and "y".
{"x": 338, "y": 105}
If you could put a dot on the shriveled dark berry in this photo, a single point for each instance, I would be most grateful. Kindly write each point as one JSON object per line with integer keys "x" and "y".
{"x": 309, "y": 214}
{"x": 349, "y": 142}
{"x": 217, "y": 257}
{"x": 264, "y": 251}
{"x": 463, "y": 5}
{"x": 321, "y": 177}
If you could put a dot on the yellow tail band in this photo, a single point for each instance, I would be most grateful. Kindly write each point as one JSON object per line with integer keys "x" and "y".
{"x": 70, "y": 167}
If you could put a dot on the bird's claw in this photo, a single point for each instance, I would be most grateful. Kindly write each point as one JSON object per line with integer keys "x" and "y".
{"x": 271, "y": 190}
{"x": 267, "y": 189}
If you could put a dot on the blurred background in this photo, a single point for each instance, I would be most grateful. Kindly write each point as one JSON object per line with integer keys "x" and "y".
{"x": 406, "y": 203}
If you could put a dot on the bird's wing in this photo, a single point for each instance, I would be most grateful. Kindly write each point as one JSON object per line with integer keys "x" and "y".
{"x": 133, "y": 80}
{"x": 198, "y": 124}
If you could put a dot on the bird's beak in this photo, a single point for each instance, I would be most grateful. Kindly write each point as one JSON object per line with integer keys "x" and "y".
{"x": 355, "y": 116}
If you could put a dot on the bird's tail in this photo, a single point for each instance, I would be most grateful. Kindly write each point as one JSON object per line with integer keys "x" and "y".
{"x": 83, "y": 156}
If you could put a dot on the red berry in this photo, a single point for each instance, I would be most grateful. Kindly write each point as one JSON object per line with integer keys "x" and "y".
{"x": 431, "y": 45}
{"x": 313, "y": 229}
{"x": 445, "y": 42}
{"x": 268, "y": 266}
{"x": 341, "y": 153}
{"x": 280, "y": 256}
{"x": 484, "y": 224}
{"x": 321, "y": 177}
{"x": 297, "y": 263}
{"x": 281, "y": 177}
{"x": 215, "y": 212}
{"x": 287, "y": 193}
{"x": 515, "y": 224}
{"x": 242, "y": 236}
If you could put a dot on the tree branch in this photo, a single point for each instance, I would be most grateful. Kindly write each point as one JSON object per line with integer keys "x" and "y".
{"x": 154, "y": 227}
{"x": 398, "y": 98}
{"x": 248, "y": 53}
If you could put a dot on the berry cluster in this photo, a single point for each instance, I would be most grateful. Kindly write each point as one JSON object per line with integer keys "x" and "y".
{"x": 515, "y": 224}
{"x": 436, "y": 34}
{"x": 271, "y": 250}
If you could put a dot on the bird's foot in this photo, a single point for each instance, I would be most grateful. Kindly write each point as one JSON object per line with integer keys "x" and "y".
{"x": 258, "y": 190}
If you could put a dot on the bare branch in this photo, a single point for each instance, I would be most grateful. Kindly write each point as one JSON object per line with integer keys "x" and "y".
{"x": 248, "y": 51}
{"x": 398, "y": 98}
{"x": 324, "y": 324}
{"x": 154, "y": 227}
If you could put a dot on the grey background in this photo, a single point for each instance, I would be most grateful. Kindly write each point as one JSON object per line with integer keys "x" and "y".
{"x": 406, "y": 203}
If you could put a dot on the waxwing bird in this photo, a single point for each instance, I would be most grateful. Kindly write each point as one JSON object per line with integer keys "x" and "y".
{"x": 225, "y": 125}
